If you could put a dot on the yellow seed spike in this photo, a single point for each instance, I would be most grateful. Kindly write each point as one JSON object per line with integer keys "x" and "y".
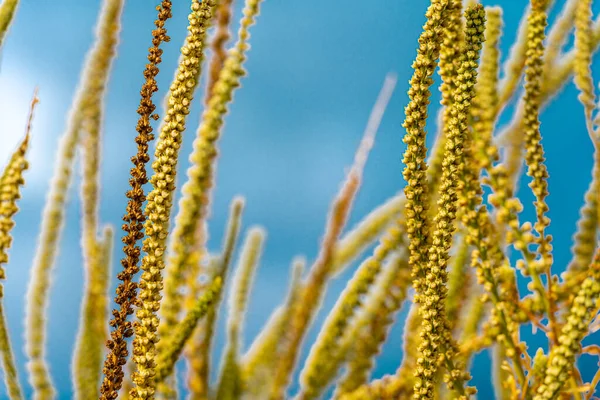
{"x": 362, "y": 342}
{"x": 199, "y": 349}
{"x": 188, "y": 239}
{"x": 229, "y": 386}
{"x": 354, "y": 242}
{"x": 326, "y": 353}
{"x": 583, "y": 61}
{"x": 562, "y": 357}
{"x": 485, "y": 105}
{"x": 414, "y": 173}
{"x": 91, "y": 90}
{"x": 431, "y": 288}
{"x": 8, "y": 8}
{"x": 160, "y": 199}
{"x": 558, "y": 35}
{"x": 87, "y": 360}
{"x": 183, "y": 331}
{"x": 88, "y": 352}
{"x": 260, "y": 360}
{"x": 11, "y": 182}
{"x": 586, "y": 235}
{"x": 534, "y": 151}
{"x": 514, "y": 66}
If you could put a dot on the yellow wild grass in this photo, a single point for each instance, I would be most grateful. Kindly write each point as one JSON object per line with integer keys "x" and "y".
{"x": 441, "y": 236}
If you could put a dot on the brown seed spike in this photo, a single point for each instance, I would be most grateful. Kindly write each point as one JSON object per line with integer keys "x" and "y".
{"x": 134, "y": 217}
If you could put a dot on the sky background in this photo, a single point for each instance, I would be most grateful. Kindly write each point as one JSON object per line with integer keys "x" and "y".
{"x": 314, "y": 71}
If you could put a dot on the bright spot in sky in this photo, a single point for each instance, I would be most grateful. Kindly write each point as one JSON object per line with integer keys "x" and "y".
{"x": 16, "y": 91}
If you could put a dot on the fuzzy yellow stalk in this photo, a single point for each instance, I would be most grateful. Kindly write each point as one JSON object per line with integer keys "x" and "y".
{"x": 259, "y": 361}
{"x": 326, "y": 353}
{"x": 562, "y": 356}
{"x": 202, "y": 342}
{"x": 11, "y": 182}
{"x": 449, "y": 53}
{"x": 416, "y": 191}
{"x": 534, "y": 156}
{"x": 459, "y": 282}
{"x": 485, "y": 105}
{"x": 8, "y": 8}
{"x": 431, "y": 290}
{"x": 583, "y": 61}
{"x": 400, "y": 385}
{"x": 87, "y": 360}
{"x": 363, "y": 341}
{"x": 183, "y": 331}
{"x": 229, "y": 386}
{"x": 91, "y": 90}
{"x": 354, "y": 242}
{"x": 88, "y": 354}
{"x": 558, "y": 34}
{"x": 160, "y": 199}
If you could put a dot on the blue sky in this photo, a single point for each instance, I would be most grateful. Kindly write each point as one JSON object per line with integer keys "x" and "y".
{"x": 314, "y": 71}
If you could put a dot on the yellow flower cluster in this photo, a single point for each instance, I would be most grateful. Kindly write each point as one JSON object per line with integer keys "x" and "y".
{"x": 561, "y": 357}
{"x": 432, "y": 290}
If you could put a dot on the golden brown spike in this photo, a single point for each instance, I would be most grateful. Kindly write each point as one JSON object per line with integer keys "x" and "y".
{"x": 134, "y": 218}
{"x": 160, "y": 199}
